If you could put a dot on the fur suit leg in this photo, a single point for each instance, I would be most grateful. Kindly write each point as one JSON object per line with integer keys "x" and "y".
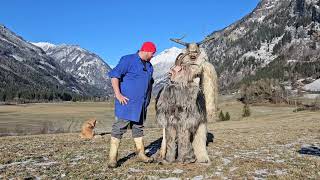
{"x": 163, "y": 148}
{"x": 185, "y": 151}
{"x": 209, "y": 84}
{"x": 171, "y": 134}
{"x": 199, "y": 144}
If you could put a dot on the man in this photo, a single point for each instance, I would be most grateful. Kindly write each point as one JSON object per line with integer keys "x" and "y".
{"x": 132, "y": 84}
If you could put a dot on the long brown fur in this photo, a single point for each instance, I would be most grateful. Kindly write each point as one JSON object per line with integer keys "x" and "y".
{"x": 174, "y": 112}
{"x": 87, "y": 128}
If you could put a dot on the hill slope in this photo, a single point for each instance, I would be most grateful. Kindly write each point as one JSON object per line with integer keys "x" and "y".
{"x": 279, "y": 39}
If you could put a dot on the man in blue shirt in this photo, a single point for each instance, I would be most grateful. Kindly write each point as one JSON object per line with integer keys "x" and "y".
{"x": 132, "y": 84}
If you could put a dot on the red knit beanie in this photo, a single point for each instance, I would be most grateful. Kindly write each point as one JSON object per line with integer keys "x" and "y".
{"x": 148, "y": 47}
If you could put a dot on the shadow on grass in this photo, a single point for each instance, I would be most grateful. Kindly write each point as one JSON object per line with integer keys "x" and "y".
{"x": 310, "y": 150}
{"x": 154, "y": 146}
{"x": 103, "y": 133}
{"x": 151, "y": 149}
{"x": 210, "y": 138}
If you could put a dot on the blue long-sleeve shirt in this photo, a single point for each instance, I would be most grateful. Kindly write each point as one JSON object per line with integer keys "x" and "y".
{"x": 135, "y": 81}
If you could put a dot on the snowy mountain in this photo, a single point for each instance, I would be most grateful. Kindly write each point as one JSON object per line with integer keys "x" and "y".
{"x": 279, "y": 39}
{"x": 27, "y": 72}
{"x": 163, "y": 61}
{"x": 161, "y": 64}
{"x": 44, "y": 45}
{"x": 86, "y": 66}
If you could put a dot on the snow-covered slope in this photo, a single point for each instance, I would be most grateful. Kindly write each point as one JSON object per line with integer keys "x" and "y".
{"x": 161, "y": 64}
{"x": 314, "y": 86}
{"x": 86, "y": 66}
{"x": 44, "y": 45}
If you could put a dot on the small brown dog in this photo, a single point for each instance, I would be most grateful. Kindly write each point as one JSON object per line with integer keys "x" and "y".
{"x": 87, "y": 128}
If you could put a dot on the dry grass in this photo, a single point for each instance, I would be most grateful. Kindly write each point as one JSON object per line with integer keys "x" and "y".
{"x": 264, "y": 145}
{"x": 46, "y": 118}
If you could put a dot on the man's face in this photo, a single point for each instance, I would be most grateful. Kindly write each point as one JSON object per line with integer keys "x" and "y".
{"x": 149, "y": 55}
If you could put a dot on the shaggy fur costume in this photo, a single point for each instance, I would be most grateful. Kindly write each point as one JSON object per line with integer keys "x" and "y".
{"x": 180, "y": 109}
{"x": 185, "y": 105}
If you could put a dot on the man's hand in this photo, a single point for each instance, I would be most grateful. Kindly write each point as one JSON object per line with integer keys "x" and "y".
{"x": 115, "y": 85}
{"x": 122, "y": 99}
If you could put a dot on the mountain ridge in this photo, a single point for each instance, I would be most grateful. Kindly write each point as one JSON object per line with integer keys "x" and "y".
{"x": 86, "y": 66}
{"x": 270, "y": 33}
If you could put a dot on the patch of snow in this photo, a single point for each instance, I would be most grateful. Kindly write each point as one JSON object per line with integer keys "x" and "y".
{"x": 280, "y": 172}
{"x": 87, "y": 63}
{"x": 44, "y": 45}
{"x": 261, "y": 172}
{"x": 74, "y": 89}
{"x": 42, "y": 67}
{"x": 290, "y": 145}
{"x": 280, "y": 161}
{"x": 162, "y": 171}
{"x": 81, "y": 74}
{"x": 77, "y": 158}
{"x": 46, "y": 63}
{"x": 260, "y": 19}
{"x": 314, "y": 86}
{"x": 292, "y": 60}
{"x": 288, "y": 87}
{"x": 59, "y": 80}
{"x": 16, "y": 163}
{"x": 46, "y": 163}
{"x": 177, "y": 171}
{"x": 18, "y": 58}
{"x": 78, "y": 59}
{"x": 311, "y": 1}
{"x": 237, "y": 33}
{"x": 135, "y": 170}
{"x": 226, "y": 161}
{"x": 197, "y": 177}
{"x": 233, "y": 169}
{"x": 170, "y": 178}
{"x": 217, "y": 153}
{"x": 9, "y": 41}
{"x": 264, "y": 53}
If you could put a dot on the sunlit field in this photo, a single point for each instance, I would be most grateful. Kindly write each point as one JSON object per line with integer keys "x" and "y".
{"x": 46, "y": 118}
{"x": 273, "y": 143}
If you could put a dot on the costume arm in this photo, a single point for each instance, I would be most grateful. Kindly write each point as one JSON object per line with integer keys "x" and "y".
{"x": 209, "y": 84}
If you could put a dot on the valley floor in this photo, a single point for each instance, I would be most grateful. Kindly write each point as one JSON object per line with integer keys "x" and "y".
{"x": 273, "y": 143}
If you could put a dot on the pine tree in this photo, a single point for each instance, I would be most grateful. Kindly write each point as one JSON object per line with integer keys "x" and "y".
{"x": 227, "y": 117}
{"x": 221, "y": 116}
{"x": 246, "y": 111}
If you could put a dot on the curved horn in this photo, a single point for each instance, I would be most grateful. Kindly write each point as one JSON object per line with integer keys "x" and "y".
{"x": 205, "y": 40}
{"x": 179, "y": 41}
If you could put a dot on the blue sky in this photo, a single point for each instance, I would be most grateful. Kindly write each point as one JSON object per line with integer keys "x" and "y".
{"x": 113, "y": 28}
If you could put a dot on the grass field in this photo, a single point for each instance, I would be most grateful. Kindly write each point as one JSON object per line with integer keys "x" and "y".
{"x": 273, "y": 143}
{"x": 44, "y": 118}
